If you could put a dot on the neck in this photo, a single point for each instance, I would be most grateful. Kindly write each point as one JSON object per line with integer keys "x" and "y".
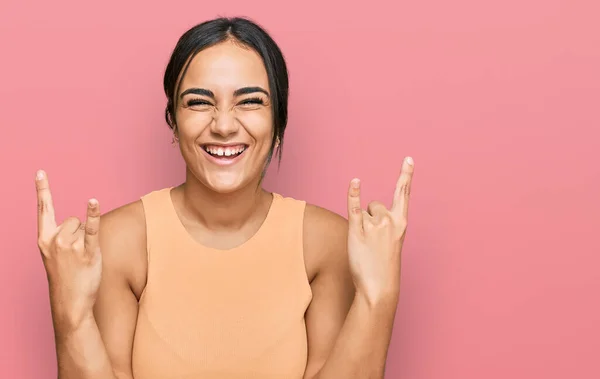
{"x": 218, "y": 211}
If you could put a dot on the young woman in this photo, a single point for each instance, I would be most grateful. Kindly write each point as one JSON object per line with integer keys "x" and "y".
{"x": 216, "y": 277}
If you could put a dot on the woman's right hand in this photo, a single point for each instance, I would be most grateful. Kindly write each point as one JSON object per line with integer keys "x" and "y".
{"x": 71, "y": 256}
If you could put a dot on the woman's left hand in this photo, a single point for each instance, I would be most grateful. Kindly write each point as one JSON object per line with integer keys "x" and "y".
{"x": 375, "y": 239}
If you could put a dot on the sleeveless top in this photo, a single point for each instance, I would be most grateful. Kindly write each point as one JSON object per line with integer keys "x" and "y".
{"x": 207, "y": 313}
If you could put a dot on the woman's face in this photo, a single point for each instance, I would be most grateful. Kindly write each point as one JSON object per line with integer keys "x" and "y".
{"x": 223, "y": 115}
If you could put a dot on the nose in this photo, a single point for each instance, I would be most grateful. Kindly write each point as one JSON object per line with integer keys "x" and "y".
{"x": 224, "y": 124}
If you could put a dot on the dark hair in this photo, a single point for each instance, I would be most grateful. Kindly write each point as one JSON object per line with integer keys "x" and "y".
{"x": 249, "y": 34}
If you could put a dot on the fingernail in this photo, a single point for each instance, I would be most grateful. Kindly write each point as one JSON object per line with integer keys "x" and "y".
{"x": 39, "y": 175}
{"x": 93, "y": 202}
{"x": 355, "y": 183}
{"x": 410, "y": 161}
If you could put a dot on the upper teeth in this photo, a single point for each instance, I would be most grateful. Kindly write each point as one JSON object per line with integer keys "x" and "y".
{"x": 224, "y": 151}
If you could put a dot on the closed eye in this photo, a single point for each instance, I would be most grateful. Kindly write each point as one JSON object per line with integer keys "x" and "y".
{"x": 252, "y": 100}
{"x": 193, "y": 102}
{"x": 245, "y": 102}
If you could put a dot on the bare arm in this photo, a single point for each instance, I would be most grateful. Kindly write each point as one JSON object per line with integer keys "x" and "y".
{"x": 123, "y": 241}
{"x": 361, "y": 348}
{"x": 81, "y": 352}
{"x": 365, "y": 258}
{"x": 88, "y": 265}
{"x": 325, "y": 241}
{"x": 347, "y": 336}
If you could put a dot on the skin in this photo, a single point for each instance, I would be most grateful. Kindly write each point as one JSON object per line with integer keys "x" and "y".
{"x": 353, "y": 266}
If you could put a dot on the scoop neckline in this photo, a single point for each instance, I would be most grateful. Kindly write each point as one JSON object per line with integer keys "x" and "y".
{"x": 190, "y": 239}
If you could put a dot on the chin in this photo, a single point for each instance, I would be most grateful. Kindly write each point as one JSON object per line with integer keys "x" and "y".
{"x": 225, "y": 182}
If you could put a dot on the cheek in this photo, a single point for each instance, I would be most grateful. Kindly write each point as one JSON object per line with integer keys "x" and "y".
{"x": 258, "y": 124}
{"x": 192, "y": 124}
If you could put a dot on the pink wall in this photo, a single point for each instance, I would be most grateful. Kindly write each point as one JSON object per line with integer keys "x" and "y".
{"x": 498, "y": 102}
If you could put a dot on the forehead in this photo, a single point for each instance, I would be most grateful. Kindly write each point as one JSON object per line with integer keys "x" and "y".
{"x": 226, "y": 67}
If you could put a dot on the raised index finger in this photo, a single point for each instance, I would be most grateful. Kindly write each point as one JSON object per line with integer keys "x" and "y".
{"x": 92, "y": 227}
{"x": 402, "y": 193}
{"x": 46, "y": 218}
{"x": 355, "y": 217}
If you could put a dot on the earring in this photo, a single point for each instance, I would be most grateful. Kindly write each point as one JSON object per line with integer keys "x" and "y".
{"x": 175, "y": 140}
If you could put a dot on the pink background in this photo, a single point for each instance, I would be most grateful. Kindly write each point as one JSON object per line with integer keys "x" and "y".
{"x": 498, "y": 102}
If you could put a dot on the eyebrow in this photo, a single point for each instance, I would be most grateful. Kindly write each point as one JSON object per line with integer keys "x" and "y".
{"x": 211, "y": 94}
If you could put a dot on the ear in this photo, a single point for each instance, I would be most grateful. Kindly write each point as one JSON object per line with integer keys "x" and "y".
{"x": 169, "y": 117}
{"x": 175, "y": 136}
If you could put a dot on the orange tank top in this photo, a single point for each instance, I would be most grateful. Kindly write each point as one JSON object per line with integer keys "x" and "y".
{"x": 223, "y": 314}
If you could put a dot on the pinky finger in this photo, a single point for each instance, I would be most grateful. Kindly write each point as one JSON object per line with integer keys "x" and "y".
{"x": 403, "y": 187}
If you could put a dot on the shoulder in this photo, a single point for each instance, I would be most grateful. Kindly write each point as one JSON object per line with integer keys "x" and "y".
{"x": 124, "y": 219}
{"x": 123, "y": 243}
{"x": 325, "y": 239}
{"x": 319, "y": 221}
{"x": 127, "y": 223}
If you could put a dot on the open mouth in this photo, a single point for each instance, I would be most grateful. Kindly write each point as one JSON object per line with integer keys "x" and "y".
{"x": 225, "y": 152}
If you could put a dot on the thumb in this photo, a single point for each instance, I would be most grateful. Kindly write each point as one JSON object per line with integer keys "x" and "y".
{"x": 355, "y": 216}
{"x": 92, "y": 227}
